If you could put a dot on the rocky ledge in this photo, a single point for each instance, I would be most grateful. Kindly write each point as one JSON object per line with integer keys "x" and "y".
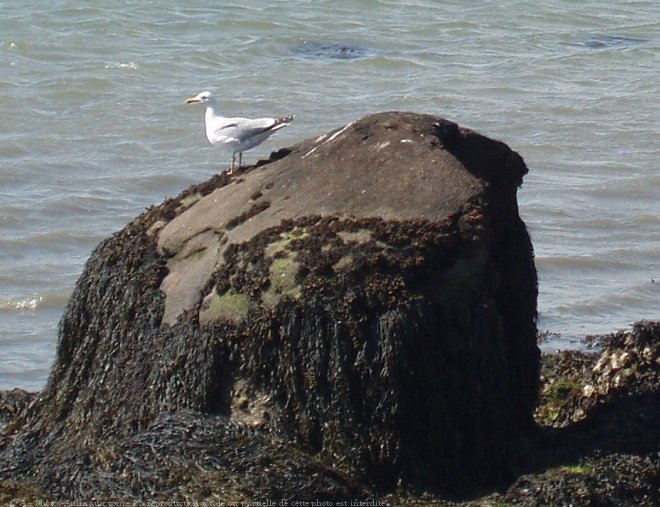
{"x": 352, "y": 319}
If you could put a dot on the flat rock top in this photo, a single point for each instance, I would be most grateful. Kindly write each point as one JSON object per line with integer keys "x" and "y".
{"x": 387, "y": 165}
{"x": 392, "y": 166}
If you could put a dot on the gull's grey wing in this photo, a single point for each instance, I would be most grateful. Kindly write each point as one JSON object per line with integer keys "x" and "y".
{"x": 244, "y": 128}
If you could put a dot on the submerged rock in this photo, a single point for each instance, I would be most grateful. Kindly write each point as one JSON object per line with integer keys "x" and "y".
{"x": 321, "y": 50}
{"x": 612, "y": 41}
{"x": 366, "y": 298}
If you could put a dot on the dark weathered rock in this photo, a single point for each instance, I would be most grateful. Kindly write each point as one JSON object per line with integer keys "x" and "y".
{"x": 610, "y": 456}
{"x": 320, "y": 50}
{"x": 612, "y": 41}
{"x": 368, "y": 296}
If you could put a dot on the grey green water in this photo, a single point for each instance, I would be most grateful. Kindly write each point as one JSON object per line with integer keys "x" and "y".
{"x": 93, "y": 128}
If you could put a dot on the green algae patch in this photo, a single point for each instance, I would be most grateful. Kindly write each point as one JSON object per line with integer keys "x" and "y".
{"x": 276, "y": 247}
{"x": 360, "y": 236}
{"x": 232, "y": 306}
{"x": 284, "y": 268}
{"x": 580, "y": 469}
{"x": 555, "y": 398}
{"x": 345, "y": 263}
{"x": 283, "y": 273}
{"x": 179, "y": 260}
{"x": 189, "y": 200}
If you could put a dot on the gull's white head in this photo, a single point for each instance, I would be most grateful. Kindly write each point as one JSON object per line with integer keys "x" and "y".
{"x": 202, "y": 98}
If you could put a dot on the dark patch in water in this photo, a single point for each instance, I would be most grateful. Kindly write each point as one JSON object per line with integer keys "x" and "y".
{"x": 612, "y": 41}
{"x": 331, "y": 50}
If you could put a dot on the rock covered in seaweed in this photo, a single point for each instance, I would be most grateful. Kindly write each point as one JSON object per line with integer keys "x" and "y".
{"x": 627, "y": 367}
{"x": 609, "y": 457}
{"x": 368, "y": 296}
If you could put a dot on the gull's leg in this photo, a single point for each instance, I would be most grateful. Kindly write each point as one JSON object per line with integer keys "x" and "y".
{"x": 231, "y": 169}
{"x": 240, "y": 159}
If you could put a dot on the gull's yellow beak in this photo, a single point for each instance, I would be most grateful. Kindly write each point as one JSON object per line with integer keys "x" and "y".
{"x": 192, "y": 100}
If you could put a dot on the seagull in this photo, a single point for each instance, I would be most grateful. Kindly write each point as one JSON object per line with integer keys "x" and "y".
{"x": 235, "y": 134}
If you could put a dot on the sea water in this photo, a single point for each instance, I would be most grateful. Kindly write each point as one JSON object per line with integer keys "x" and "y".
{"x": 94, "y": 129}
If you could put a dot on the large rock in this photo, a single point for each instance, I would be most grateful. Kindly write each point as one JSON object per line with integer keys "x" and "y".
{"x": 368, "y": 296}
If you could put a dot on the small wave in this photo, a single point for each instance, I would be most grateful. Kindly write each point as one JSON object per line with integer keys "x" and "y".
{"x": 29, "y": 303}
{"x": 33, "y": 302}
{"x": 129, "y": 65}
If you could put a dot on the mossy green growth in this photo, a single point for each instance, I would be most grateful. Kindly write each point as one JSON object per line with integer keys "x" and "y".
{"x": 283, "y": 272}
{"x": 281, "y": 245}
{"x": 183, "y": 259}
{"x": 563, "y": 387}
{"x": 553, "y": 399}
{"x": 284, "y": 268}
{"x": 231, "y": 305}
{"x": 360, "y": 236}
{"x": 188, "y": 201}
{"x": 580, "y": 469}
{"x": 342, "y": 264}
